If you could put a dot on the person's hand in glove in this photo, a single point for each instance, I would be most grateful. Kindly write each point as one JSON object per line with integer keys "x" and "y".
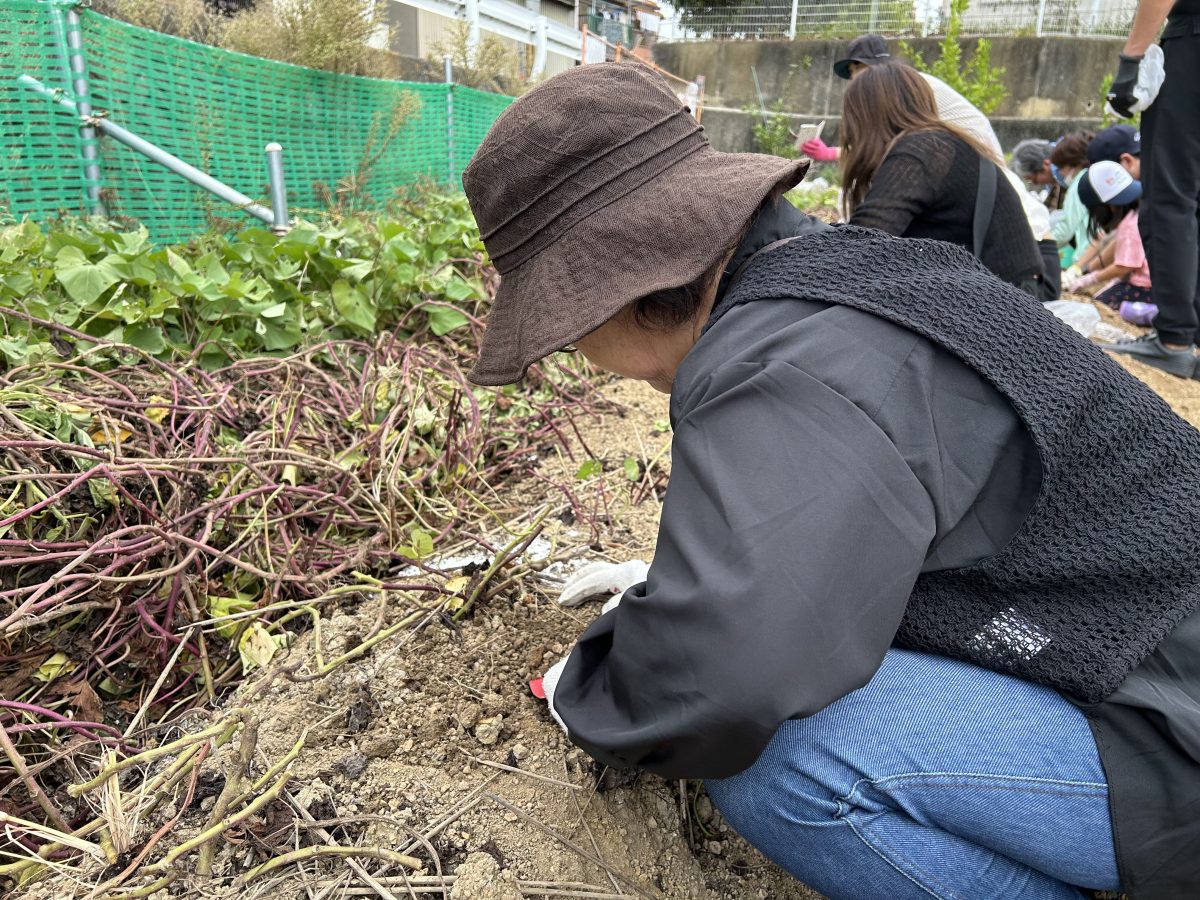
{"x": 819, "y": 151}
{"x": 1120, "y": 94}
{"x": 597, "y": 578}
{"x": 544, "y": 688}
{"x": 603, "y": 579}
{"x": 1137, "y": 82}
{"x": 1083, "y": 281}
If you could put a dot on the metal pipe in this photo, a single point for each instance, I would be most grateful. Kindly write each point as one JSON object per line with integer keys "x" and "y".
{"x": 279, "y": 204}
{"x": 792, "y": 25}
{"x": 157, "y": 154}
{"x": 77, "y": 75}
{"x": 471, "y": 9}
{"x": 1041, "y": 17}
{"x": 448, "y": 68}
{"x": 541, "y": 29}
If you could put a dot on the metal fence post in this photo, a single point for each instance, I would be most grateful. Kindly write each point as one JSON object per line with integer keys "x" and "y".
{"x": 449, "y": 73}
{"x": 792, "y": 24}
{"x": 541, "y": 38}
{"x": 471, "y": 8}
{"x": 87, "y": 134}
{"x": 1041, "y": 17}
{"x": 279, "y": 204}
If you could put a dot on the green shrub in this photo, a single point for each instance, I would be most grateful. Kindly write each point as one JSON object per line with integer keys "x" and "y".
{"x": 322, "y": 34}
{"x": 773, "y": 135}
{"x": 976, "y": 79}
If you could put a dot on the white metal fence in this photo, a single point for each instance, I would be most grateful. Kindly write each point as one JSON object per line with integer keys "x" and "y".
{"x": 846, "y": 18}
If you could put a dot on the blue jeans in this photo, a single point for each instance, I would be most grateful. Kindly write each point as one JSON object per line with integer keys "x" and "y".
{"x": 936, "y": 779}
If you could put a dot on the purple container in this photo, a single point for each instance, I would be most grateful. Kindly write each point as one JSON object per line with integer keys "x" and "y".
{"x": 1137, "y": 313}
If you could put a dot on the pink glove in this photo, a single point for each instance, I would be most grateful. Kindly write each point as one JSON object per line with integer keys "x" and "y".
{"x": 818, "y": 151}
{"x": 1083, "y": 281}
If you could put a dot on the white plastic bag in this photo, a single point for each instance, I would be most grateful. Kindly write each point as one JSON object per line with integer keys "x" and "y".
{"x": 1083, "y": 317}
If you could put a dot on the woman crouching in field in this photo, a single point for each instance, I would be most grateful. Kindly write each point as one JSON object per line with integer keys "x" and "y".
{"x": 896, "y": 618}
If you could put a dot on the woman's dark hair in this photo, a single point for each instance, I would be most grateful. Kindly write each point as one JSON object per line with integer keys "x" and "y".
{"x": 671, "y": 307}
{"x": 1071, "y": 150}
{"x": 1107, "y": 216}
{"x": 883, "y": 104}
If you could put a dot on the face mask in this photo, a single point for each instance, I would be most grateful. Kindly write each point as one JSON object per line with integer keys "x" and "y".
{"x": 1058, "y": 176}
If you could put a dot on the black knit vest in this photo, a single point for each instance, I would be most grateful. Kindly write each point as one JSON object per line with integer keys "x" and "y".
{"x": 1108, "y": 560}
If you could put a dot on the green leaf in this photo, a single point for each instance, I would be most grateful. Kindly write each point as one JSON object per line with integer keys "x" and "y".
{"x": 131, "y": 242}
{"x": 276, "y": 337}
{"x": 84, "y": 281}
{"x": 421, "y": 547}
{"x": 274, "y": 311}
{"x": 588, "y": 469}
{"x": 219, "y": 607}
{"x": 443, "y": 319}
{"x": 359, "y": 269}
{"x": 353, "y": 306}
{"x": 459, "y": 290}
{"x": 146, "y": 337}
{"x": 178, "y": 264}
{"x": 633, "y": 469}
{"x": 404, "y": 249}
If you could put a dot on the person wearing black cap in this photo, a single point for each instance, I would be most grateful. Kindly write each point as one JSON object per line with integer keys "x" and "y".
{"x": 1121, "y": 144}
{"x": 1170, "y": 175}
{"x": 954, "y": 109}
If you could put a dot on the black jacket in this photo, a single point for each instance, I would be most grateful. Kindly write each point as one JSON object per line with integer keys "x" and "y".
{"x": 824, "y": 460}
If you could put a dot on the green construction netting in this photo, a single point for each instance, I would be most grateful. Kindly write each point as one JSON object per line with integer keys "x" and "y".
{"x": 216, "y": 110}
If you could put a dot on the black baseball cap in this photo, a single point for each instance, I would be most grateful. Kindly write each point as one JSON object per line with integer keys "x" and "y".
{"x": 1114, "y": 141}
{"x": 868, "y": 49}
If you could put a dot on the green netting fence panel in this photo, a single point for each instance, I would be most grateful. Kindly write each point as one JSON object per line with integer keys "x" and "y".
{"x": 217, "y": 110}
{"x": 41, "y": 170}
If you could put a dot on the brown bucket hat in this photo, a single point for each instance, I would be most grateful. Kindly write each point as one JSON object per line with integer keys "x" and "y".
{"x": 594, "y": 189}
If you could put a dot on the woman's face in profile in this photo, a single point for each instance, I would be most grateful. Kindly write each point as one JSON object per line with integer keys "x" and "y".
{"x": 625, "y": 348}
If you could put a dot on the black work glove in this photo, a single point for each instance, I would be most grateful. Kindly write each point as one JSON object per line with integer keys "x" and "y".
{"x": 1120, "y": 95}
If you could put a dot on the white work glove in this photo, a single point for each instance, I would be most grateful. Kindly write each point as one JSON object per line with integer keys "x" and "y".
{"x": 603, "y": 578}
{"x": 549, "y": 683}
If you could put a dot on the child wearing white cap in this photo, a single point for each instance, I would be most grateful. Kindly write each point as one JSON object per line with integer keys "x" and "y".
{"x": 1111, "y": 196}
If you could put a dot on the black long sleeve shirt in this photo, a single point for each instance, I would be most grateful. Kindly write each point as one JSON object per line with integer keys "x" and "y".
{"x": 926, "y": 188}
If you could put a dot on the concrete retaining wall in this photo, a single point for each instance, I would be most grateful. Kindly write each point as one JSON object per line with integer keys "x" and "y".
{"x": 1054, "y": 83}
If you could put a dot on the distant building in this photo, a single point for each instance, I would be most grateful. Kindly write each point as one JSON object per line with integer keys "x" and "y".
{"x": 633, "y": 25}
{"x": 419, "y": 27}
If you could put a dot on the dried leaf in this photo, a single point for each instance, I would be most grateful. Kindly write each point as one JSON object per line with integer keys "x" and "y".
{"x": 84, "y": 700}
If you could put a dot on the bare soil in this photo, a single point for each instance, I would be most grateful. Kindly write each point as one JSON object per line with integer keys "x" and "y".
{"x": 432, "y": 744}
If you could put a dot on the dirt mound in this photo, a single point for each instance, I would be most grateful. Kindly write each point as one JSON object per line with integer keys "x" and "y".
{"x": 432, "y": 746}
{"x": 428, "y": 757}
